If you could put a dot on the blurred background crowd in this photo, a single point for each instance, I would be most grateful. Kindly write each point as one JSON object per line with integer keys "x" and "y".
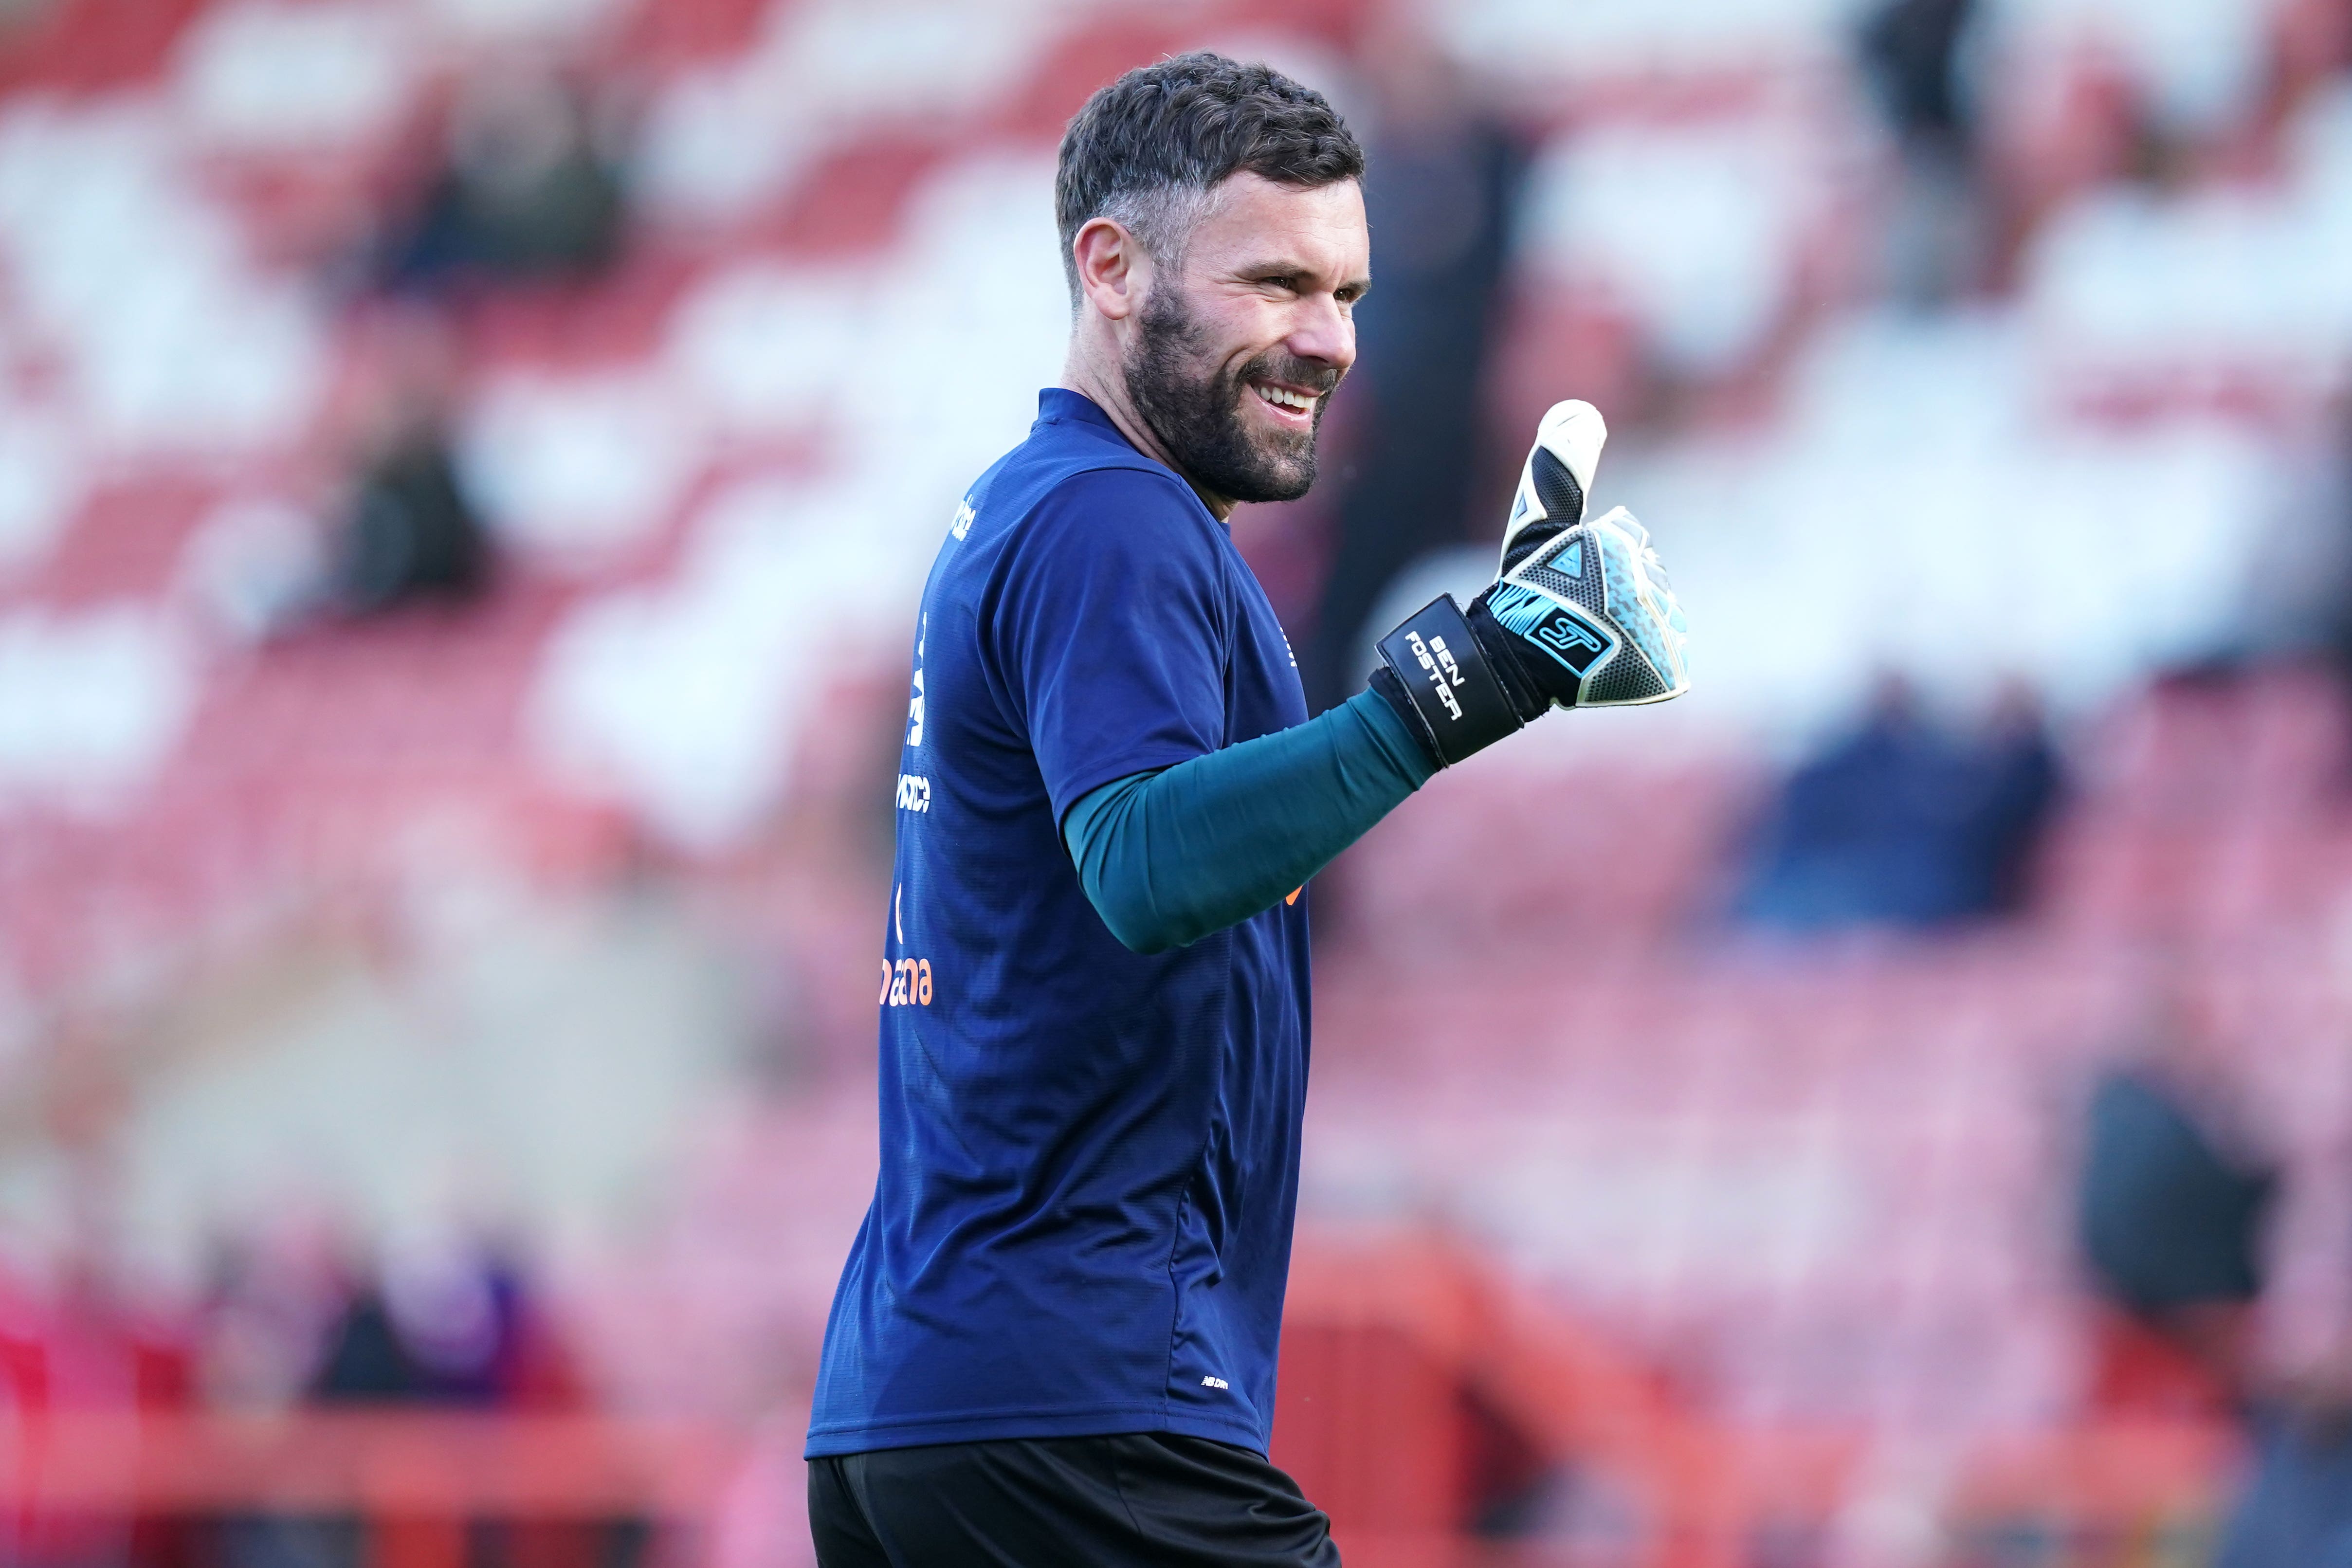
{"x": 465, "y": 472}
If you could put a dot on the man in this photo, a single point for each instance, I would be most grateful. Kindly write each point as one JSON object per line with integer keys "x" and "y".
{"x": 1055, "y": 1339}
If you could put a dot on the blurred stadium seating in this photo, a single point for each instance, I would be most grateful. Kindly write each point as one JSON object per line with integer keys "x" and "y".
{"x": 552, "y": 914}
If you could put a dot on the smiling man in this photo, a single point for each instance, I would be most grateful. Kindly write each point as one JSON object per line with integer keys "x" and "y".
{"x": 1053, "y": 1342}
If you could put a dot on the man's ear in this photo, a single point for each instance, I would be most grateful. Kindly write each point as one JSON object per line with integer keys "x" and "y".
{"x": 1112, "y": 267}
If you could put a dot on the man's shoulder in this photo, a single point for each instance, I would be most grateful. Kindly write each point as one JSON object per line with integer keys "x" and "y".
{"x": 1043, "y": 495}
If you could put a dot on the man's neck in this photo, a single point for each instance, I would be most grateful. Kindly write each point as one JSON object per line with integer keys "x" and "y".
{"x": 1107, "y": 392}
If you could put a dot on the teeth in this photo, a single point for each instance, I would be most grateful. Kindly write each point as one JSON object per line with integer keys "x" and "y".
{"x": 1284, "y": 398}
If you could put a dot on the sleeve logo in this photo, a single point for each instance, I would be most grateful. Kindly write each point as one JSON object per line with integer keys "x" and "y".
{"x": 915, "y": 701}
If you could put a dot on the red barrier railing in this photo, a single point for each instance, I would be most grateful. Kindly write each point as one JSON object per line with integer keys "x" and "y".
{"x": 411, "y": 1479}
{"x": 1397, "y": 1350}
{"x": 1414, "y": 1381}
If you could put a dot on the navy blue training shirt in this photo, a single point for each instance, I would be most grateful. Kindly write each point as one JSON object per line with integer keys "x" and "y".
{"x": 1090, "y": 1157}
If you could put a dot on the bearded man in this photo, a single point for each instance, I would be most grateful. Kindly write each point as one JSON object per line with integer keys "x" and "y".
{"x": 1054, "y": 1339}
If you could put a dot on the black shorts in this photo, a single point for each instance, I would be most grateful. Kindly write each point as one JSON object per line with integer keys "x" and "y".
{"x": 1142, "y": 1498}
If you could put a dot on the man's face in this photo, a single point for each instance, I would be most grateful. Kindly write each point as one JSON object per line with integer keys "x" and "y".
{"x": 1237, "y": 351}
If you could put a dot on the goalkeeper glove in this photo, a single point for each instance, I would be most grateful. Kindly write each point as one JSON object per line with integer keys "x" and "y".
{"x": 1582, "y": 616}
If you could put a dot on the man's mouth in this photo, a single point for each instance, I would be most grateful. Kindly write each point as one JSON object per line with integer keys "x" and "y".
{"x": 1288, "y": 403}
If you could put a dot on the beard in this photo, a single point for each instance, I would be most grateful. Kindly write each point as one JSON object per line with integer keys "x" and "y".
{"x": 1194, "y": 407}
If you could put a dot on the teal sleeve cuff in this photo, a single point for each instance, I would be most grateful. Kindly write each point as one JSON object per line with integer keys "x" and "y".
{"x": 1393, "y": 736}
{"x": 1169, "y": 857}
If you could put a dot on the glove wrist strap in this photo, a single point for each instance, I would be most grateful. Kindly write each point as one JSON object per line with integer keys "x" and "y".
{"x": 1528, "y": 700}
{"x": 1451, "y": 693}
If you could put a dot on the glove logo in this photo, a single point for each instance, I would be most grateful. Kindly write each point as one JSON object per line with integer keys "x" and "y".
{"x": 1576, "y": 644}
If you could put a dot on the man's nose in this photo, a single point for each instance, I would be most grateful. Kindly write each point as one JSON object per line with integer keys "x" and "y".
{"x": 1322, "y": 331}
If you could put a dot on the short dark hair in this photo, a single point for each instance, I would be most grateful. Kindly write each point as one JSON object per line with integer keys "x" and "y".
{"x": 1147, "y": 149}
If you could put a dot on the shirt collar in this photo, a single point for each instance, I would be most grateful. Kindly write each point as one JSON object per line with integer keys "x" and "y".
{"x": 1059, "y": 402}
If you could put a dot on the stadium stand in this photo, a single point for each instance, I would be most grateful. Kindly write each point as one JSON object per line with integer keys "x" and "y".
{"x": 1748, "y": 1251}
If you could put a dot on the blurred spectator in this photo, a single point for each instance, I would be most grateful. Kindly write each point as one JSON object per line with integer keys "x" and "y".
{"x": 1911, "y": 48}
{"x": 1442, "y": 182}
{"x": 1898, "y": 823}
{"x": 2170, "y": 1213}
{"x": 525, "y": 192}
{"x": 409, "y": 532}
{"x": 448, "y": 1325}
{"x": 452, "y": 1326}
{"x": 1912, "y": 54}
{"x": 2169, "y": 1222}
{"x": 401, "y": 527}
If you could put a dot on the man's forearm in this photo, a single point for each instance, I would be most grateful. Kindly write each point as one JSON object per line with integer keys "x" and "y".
{"x": 1171, "y": 855}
